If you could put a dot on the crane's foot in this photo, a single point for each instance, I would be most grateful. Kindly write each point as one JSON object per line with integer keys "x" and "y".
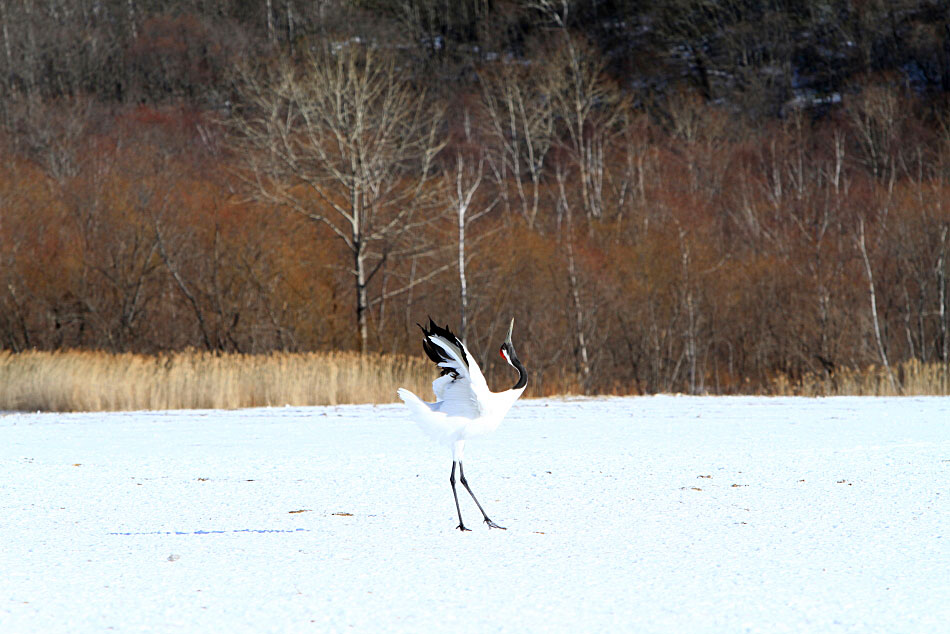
{"x": 492, "y": 524}
{"x": 461, "y": 527}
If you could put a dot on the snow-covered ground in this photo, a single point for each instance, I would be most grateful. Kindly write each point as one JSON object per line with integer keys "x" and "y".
{"x": 655, "y": 514}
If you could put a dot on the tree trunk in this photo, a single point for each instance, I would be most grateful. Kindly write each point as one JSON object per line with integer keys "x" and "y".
{"x": 463, "y": 287}
{"x": 689, "y": 304}
{"x": 581, "y": 355}
{"x": 290, "y": 22}
{"x": 6, "y": 36}
{"x": 944, "y": 351}
{"x": 874, "y": 320}
{"x": 269, "y": 10}
{"x": 130, "y": 5}
{"x": 362, "y": 304}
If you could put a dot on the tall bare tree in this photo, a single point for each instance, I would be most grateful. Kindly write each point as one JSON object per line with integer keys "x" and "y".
{"x": 876, "y": 117}
{"x": 464, "y": 182}
{"x": 588, "y": 108}
{"x": 520, "y": 132}
{"x": 346, "y": 140}
{"x": 872, "y": 296}
{"x": 576, "y": 311}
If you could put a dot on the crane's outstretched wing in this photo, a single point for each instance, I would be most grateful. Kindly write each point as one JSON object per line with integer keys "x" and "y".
{"x": 461, "y": 389}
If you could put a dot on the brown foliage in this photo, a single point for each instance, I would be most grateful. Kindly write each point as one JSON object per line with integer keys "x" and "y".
{"x": 680, "y": 248}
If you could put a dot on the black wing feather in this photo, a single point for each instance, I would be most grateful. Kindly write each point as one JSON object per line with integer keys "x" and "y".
{"x": 436, "y": 353}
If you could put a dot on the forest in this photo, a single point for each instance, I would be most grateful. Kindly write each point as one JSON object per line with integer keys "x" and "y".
{"x": 697, "y": 196}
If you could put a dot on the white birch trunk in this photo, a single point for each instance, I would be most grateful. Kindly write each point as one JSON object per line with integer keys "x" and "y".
{"x": 269, "y": 9}
{"x": 582, "y": 357}
{"x": 862, "y": 245}
{"x": 463, "y": 286}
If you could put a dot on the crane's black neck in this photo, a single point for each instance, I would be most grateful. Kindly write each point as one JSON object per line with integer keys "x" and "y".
{"x": 522, "y": 373}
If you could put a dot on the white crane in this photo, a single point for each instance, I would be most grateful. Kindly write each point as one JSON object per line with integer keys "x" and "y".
{"x": 464, "y": 405}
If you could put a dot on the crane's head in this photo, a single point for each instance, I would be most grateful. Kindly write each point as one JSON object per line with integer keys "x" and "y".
{"x": 507, "y": 350}
{"x": 508, "y": 354}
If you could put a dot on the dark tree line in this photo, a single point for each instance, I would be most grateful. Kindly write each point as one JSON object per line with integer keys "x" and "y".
{"x": 760, "y": 57}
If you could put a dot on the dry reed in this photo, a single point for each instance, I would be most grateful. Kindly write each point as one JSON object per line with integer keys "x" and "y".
{"x": 98, "y": 381}
{"x": 913, "y": 378}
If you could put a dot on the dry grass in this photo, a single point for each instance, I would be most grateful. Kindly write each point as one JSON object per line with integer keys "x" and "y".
{"x": 913, "y": 378}
{"x": 97, "y": 381}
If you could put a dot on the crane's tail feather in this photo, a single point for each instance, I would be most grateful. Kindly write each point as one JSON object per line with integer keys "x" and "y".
{"x": 434, "y": 423}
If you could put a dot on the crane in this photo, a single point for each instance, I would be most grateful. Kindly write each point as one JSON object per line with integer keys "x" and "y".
{"x": 464, "y": 406}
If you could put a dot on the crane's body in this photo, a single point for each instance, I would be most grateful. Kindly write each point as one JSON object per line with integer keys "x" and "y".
{"x": 464, "y": 406}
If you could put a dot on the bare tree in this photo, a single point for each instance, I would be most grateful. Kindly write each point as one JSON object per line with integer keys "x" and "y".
{"x": 587, "y": 108}
{"x": 347, "y": 141}
{"x": 877, "y": 117}
{"x": 872, "y": 296}
{"x": 577, "y": 309}
{"x": 50, "y": 132}
{"x": 464, "y": 183}
{"x": 521, "y": 132}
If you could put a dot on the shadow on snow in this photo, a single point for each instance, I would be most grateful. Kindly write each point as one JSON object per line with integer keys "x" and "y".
{"x": 236, "y": 530}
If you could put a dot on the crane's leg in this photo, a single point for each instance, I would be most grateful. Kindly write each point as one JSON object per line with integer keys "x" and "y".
{"x": 461, "y": 525}
{"x": 464, "y": 482}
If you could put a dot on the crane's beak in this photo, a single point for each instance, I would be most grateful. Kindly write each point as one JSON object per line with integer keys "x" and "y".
{"x": 510, "y": 328}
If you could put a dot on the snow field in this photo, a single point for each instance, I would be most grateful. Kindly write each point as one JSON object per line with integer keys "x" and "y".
{"x": 654, "y": 514}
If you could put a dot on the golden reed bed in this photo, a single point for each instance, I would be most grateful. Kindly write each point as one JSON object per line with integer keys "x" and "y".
{"x": 99, "y": 381}
{"x": 96, "y": 381}
{"x": 912, "y": 378}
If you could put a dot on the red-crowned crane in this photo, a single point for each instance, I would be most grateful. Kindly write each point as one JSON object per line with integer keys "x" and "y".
{"x": 464, "y": 405}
